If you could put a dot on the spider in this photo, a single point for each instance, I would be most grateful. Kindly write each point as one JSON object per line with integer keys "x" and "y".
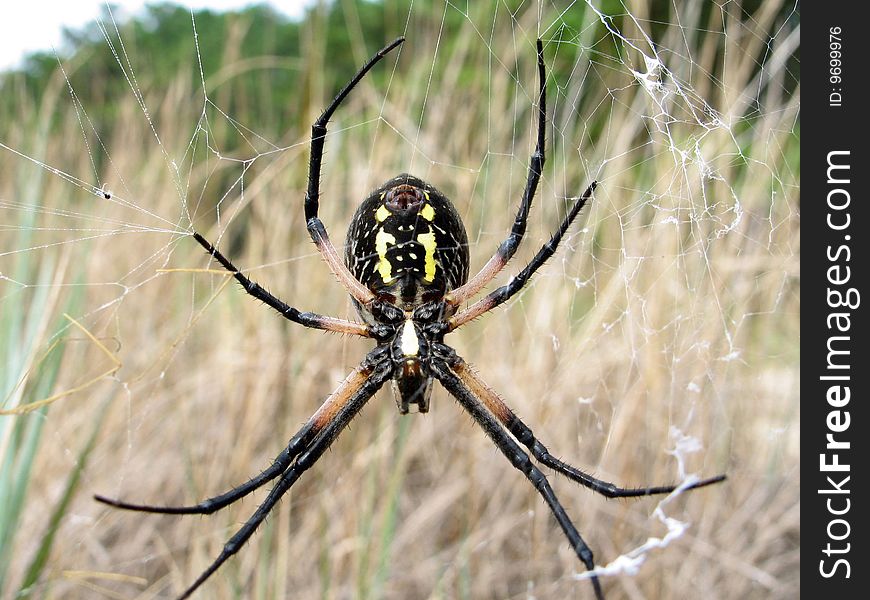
{"x": 406, "y": 269}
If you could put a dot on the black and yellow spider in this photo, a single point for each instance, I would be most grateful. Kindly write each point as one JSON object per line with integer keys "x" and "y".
{"x": 406, "y": 268}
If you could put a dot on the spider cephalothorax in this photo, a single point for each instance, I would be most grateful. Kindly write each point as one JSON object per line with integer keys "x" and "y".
{"x": 406, "y": 269}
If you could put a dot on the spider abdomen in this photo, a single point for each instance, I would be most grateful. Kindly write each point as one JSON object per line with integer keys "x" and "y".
{"x": 407, "y": 243}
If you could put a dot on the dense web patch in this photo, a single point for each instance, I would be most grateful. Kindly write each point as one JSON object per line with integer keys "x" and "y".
{"x": 657, "y": 346}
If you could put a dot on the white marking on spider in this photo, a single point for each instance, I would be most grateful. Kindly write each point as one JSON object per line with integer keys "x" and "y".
{"x": 409, "y": 343}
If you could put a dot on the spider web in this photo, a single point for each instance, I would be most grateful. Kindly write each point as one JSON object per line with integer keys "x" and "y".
{"x": 657, "y": 346}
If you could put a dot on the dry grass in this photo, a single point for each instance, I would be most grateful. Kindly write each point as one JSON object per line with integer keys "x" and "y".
{"x": 663, "y": 310}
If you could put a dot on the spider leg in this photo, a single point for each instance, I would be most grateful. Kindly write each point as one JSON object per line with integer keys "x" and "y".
{"x": 509, "y": 246}
{"x": 316, "y": 228}
{"x": 503, "y": 293}
{"x": 308, "y": 319}
{"x": 207, "y": 507}
{"x": 332, "y": 406}
{"x": 524, "y": 435}
{"x": 375, "y": 369}
{"x": 518, "y": 458}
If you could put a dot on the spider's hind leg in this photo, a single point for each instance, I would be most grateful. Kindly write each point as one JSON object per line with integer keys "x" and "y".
{"x": 308, "y": 319}
{"x": 316, "y": 228}
{"x": 509, "y": 246}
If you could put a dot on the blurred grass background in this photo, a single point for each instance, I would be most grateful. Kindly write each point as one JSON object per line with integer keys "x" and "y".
{"x": 671, "y": 310}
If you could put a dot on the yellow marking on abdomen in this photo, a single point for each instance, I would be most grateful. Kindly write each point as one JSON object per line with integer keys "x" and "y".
{"x": 428, "y": 212}
{"x": 429, "y": 244}
{"x": 382, "y": 213}
{"x": 382, "y": 241}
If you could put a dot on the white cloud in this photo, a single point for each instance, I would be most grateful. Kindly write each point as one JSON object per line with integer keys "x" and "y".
{"x": 30, "y": 26}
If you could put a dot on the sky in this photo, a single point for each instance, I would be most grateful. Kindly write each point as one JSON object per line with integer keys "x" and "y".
{"x": 29, "y": 26}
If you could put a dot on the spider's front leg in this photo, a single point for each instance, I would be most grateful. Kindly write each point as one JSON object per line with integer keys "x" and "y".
{"x": 331, "y": 409}
{"x": 500, "y": 423}
{"x": 524, "y": 435}
{"x": 518, "y": 458}
{"x": 304, "y": 449}
{"x": 375, "y": 370}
